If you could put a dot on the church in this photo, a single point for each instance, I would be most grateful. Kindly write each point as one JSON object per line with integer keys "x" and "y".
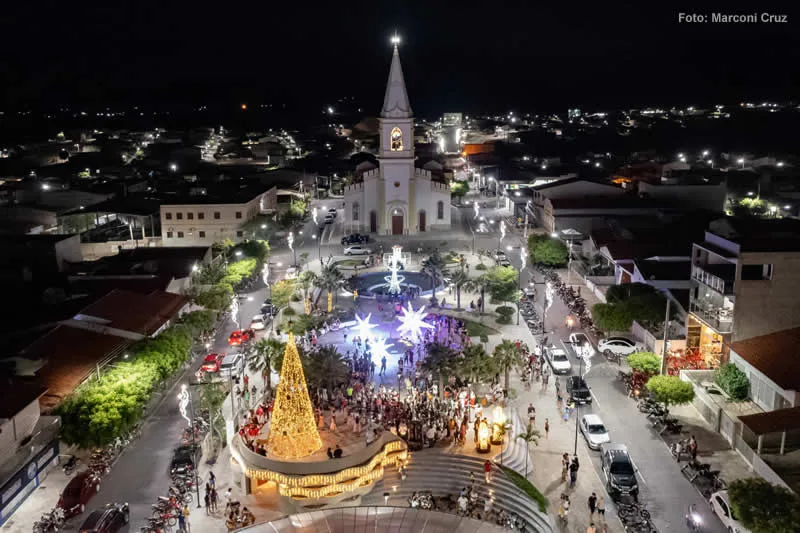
{"x": 396, "y": 198}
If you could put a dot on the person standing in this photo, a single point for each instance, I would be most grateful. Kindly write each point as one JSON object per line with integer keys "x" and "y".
{"x": 546, "y": 428}
{"x": 181, "y": 522}
{"x": 591, "y": 528}
{"x": 532, "y": 415}
{"x": 693, "y": 448}
{"x": 383, "y": 366}
{"x": 207, "y": 502}
{"x": 185, "y": 513}
{"x": 487, "y": 470}
{"x": 212, "y": 479}
{"x": 592, "y": 504}
{"x": 564, "y": 466}
{"x": 601, "y": 506}
{"x": 213, "y": 500}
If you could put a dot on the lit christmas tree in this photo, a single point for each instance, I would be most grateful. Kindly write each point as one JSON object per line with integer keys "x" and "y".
{"x": 293, "y": 431}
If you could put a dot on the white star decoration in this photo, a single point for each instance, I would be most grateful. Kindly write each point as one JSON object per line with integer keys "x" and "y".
{"x": 412, "y": 323}
{"x": 363, "y": 326}
{"x": 380, "y": 348}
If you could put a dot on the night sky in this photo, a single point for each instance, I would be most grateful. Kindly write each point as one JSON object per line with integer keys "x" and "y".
{"x": 494, "y": 55}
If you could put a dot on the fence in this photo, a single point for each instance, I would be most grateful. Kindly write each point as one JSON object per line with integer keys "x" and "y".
{"x": 653, "y": 343}
{"x": 95, "y": 250}
{"x": 596, "y": 284}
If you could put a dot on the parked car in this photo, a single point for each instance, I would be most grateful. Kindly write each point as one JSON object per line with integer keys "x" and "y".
{"x": 332, "y": 211}
{"x": 594, "y": 431}
{"x": 329, "y": 218}
{"x": 558, "y": 360}
{"x": 721, "y": 505}
{"x": 258, "y": 323}
{"x": 110, "y": 519}
{"x": 241, "y": 336}
{"x": 498, "y": 255}
{"x": 78, "y": 492}
{"x": 266, "y": 308}
{"x": 618, "y": 470}
{"x": 212, "y": 362}
{"x": 504, "y": 262}
{"x": 183, "y": 460}
{"x": 529, "y": 291}
{"x": 357, "y": 249}
{"x": 619, "y": 345}
{"x": 581, "y": 345}
{"x": 233, "y": 363}
{"x": 578, "y": 391}
{"x": 355, "y": 238}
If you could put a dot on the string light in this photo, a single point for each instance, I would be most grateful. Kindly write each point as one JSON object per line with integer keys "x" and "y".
{"x": 293, "y": 430}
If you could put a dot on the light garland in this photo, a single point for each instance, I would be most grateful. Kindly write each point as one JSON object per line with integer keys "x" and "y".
{"x": 293, "y": 430}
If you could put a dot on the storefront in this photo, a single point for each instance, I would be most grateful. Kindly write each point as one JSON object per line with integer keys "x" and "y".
{"x": 25, "y": 480}
{"x": 702, "y": 337}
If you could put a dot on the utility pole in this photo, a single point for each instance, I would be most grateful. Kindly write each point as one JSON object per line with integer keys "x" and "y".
{"x": 666, "y": 336}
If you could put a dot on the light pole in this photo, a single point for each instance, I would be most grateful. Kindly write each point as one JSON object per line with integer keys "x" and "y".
{"x": 186, "y": 397}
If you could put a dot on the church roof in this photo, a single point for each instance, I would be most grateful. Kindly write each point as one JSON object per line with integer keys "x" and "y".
{"x": 395, "y": 102}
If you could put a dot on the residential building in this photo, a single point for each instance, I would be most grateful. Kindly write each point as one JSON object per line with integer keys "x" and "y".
{"x": 707, "y": 196}
{"x": 745, "y": 283}
{"x": 206, "y": 217}
{"x": 28, "y": 444}
{"x": 397, "y": 198}
{"x": 573, "y": 188}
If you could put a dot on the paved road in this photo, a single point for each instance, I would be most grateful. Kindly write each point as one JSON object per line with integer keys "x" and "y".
{"x": 141, "y": 474}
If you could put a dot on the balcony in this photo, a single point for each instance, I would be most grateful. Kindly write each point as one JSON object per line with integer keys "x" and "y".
{"x": 718, "y": 277}
{"x": 718, "y": 318}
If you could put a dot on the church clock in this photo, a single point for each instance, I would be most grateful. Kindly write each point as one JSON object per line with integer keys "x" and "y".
{"x": 396, "y": 138}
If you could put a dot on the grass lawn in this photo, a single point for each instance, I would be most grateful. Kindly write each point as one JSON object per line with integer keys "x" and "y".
{"x": 527, "y": 487}
{"x": 350, "y": 263}
{"x": 476, "y": 329}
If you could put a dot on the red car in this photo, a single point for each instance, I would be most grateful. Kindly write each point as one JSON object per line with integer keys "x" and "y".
{"x": 212, "y": 361}
{"x": 241, "y": 336}
{"x": 78, "y": 492}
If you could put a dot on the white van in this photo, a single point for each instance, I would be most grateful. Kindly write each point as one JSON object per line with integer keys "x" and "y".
{"x": 233, "y": 363}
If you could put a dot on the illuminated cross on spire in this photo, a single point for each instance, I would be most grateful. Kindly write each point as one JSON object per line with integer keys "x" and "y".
{"x": 395, "y": 39}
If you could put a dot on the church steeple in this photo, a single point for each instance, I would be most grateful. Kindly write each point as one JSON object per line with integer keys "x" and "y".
{"x": 395, "y": 102}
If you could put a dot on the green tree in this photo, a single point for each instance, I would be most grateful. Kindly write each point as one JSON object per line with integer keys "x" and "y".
{"x": 477, "y": 365}
{"x": 645, "y": 362}
{"x": 304, "y": 259}
{"x": 507, "y": 355}
{"x": 282, "y": 293}
{"x": 458, "y": 189}
{"x": 548, "y": 251}
{"x": 212, "y": 395}
{"x": 763, "y": 507}
{"x": 198, "y": 322}
{"x": 632, "y": 301}
{"x": 265, "y": 353}
{"x": 502, "y": 284}
{"x": 733, "y": 381}
{"x": 458, "y": 278}
{"x": 433, "y": 266}
{"x": 217, "y": 297}
{"x": 529, "y": 436}
{"x": 479, "y": 285}
{"x": 670, "y": 390}
{"x": 326, "y": 367}
{"x": 210, "y": 274}
{"x": 608, "y": 317}
{"x": 441, "y": 361}
{"x": 331, "y": 279}
{"x": 306, "y": 281}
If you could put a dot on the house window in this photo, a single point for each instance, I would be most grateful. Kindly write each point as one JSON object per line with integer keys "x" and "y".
{"x": 201, "y": 234}
{"x": 238, "y": 214}
{"x": 240, "y": 234}
{"x": 180, "y": 235}
{"x": 756, "y": 272}
{"x": 355, "y": 211}
{"x": 201, "y": 215}
{"x": 179, "y": 216}
{"x": 190, "y": 216}
{"x": 168, "y": 216}
{"x": 169, "y": 235}
{"x": 440, "y": 210}
{"x": 216, "y": 215}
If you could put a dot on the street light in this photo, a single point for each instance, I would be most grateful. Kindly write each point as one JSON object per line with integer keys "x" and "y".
{"x": 184, "y": 399}
{"x": 741, "y": 161}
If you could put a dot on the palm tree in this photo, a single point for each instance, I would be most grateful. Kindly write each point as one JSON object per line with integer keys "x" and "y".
{"x": 530, "y": 435}
{"x": 441, "y": 361}
{"x": 507, "y": 355}
{"x": 327, "y": 367}
{"x": 477, "y": 365}
{"x": 306, "y": 281}
{"x": 330, "y": 279}
{"x": 265, "y": 356}
{"x": 479, "y": 285}
{"x": 434, "y": 267}
{"x": 459, "y": 278}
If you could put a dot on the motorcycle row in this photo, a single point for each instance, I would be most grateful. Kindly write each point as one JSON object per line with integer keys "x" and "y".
{"x": 659, "y": 416}
{"x": 571, "y": 298}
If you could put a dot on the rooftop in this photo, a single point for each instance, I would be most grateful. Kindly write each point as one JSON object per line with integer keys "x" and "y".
{"x": 772, "y": 356}
{"x": 224, "y": 193}
{"x": 129, "y": 311}
{"x": 17, "y": 395}
{"x": 127, "y": 205}
{"x": 559, "y": 183}
{"x": 605, "y": 202}
{"x": 664, "y": 270}
{"x": 773, "y": 421}
{"x": 759, "y": 234}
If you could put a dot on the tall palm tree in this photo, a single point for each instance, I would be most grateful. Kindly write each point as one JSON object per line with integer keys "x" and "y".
{"x": 434, "y": 267}
{"x": 477, "y": 365}
{"x": 327, "y": 368}
{"x": 331, "y": 280}
{"x": 441, "y": 361}
{"x": 530, "y": 435}
{"x": 507, "y": 355}
{"x": 306, "y": 281}
{"x": 459, "y": 278}
{"x": 265, "y": 356}
{"x": 479, "y": 285}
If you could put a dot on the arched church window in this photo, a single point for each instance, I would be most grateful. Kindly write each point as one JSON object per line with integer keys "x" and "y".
{"x": 440, "y": 210}
{"x": 355, "y": 211}
{"x": 396, "y": 138}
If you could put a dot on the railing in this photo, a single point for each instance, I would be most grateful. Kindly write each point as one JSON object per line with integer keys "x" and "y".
{"x": 718, "y": 318}
{"x": 715, "y": 282}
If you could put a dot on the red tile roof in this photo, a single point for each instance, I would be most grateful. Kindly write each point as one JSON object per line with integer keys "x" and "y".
{"x": 773, "y": 355}
{"x": 140, "y": 313}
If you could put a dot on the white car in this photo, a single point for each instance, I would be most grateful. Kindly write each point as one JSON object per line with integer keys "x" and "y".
{"x": 594, "y": 431}
{"x": 329, "y": 219}
{"x": 357, "y": 249}
{"x": 291, "y": 272}
{"x": 258, "y": 323}
{"x": 721, "y": 506}
{"x": 581, "y": 345}
{"x": 499, "y": 255}
{"x": 619, "y": 345}
{"x": 558, "y": 361}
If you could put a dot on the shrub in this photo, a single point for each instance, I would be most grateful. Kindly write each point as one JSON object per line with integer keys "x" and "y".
{"x": 289, "y": 312}
{"x": 733, "y": 381}
{"x": 480, "y": 266}
{"x": 505, "y": 312}
{"x": 527, "y": 487}
{"x": 646, "y": 362}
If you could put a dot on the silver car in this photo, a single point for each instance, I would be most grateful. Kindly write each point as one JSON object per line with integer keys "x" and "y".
{"x": 594, "y": 431}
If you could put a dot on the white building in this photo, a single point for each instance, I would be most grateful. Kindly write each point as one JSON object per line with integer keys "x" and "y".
{"x": 203, "y": 219}
{"x": 397, "y": 198}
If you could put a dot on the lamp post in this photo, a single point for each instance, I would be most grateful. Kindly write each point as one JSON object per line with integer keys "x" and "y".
{"x": 185, "y": 397}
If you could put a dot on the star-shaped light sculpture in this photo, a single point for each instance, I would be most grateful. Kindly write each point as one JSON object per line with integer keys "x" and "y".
{"x": 363, "y": 326}
{"x": 412, "y": 322}
{"x": 380, "y": 349}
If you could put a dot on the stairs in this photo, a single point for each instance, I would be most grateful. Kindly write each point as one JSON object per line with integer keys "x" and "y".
{"x": 514, "y": 454}
{"x": 446, "y": 474}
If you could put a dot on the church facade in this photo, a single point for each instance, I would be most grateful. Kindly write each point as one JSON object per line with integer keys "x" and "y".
{"x": 397, "y": 198}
